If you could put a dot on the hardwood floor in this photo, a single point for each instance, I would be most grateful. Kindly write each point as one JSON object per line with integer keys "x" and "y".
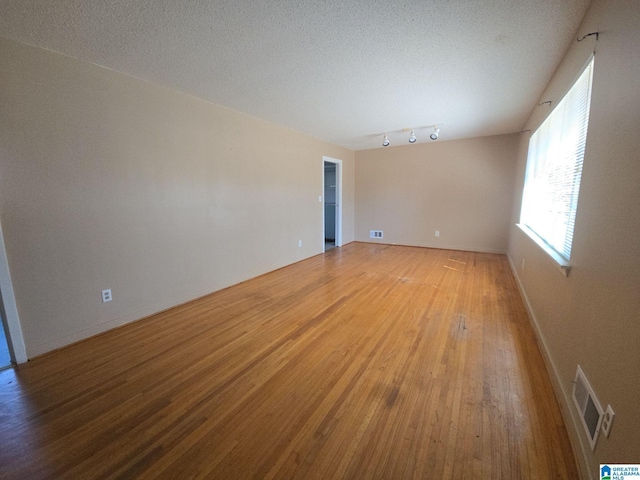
{"x": 370, "y": 361}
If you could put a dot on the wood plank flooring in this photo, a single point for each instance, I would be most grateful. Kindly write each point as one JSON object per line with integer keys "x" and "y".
{"x": 370, "y": 361}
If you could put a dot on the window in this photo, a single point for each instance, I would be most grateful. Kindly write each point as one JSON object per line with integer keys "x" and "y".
{"x": 554, "y": 169}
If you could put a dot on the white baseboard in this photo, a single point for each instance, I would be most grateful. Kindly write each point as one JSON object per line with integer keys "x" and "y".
{"x": 79, "y": 335}
{"x": 440, "y": 247}
{"x": 572, "y": 422}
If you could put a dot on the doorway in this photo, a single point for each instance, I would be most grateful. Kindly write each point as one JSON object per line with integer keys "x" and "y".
{"x": 12, "y": 347}
{"x": 5, "y": 355}
{"x": 332, "y": 209}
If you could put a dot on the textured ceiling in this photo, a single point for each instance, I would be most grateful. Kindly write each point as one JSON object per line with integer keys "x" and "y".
{"x": 341, "y": 71}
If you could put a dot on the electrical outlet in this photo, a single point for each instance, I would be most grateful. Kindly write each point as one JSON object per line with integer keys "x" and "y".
{"x": 106, "y": 296}
{"x": 437, "y": 233}
{"x": 299, "y": 243}
{"x": 522, "y": 265}
{"x": 607, "y": 421}
{"x": 320, "y": 198}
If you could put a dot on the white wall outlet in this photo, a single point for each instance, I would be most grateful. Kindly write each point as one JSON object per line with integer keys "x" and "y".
{"x": 437, "y": 233}
{"x": 320, "y": 198}
{"x": 522, "y": 265}
{"x": 106, "y": 295}
{"x": 299, "y": 243}
{"x": 376, "y": 234}
{"x": 607, "y": 421}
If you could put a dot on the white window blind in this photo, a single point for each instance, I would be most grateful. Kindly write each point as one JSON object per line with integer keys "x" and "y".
{"x": 554, "y": 168}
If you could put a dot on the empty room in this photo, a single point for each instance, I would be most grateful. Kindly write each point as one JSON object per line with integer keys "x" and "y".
{"x": 361, "y": 239}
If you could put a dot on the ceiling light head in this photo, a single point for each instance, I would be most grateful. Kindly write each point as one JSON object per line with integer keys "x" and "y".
{"x": 385, "y": 141}
{"x": 412, "y": 138}
{"x": 435, "y": 133}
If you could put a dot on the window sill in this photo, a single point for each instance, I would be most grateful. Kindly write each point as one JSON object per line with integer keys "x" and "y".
{"x": 558, "y": 261}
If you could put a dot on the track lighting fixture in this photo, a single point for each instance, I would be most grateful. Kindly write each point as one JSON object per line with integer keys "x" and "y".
{"x": 435, "y": 133}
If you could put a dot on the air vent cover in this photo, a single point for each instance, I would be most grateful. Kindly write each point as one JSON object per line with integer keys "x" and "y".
{"x": 588, "y": 406}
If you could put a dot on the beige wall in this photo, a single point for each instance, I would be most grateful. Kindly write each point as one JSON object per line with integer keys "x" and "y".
{"x": 107, "y": 181}
{"x": 462, "y": 188}
{"x": 592, "y": 318}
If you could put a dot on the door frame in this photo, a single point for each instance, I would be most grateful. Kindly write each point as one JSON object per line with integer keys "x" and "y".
{"x": 338, "y": 164}
{"x": 15, "y": 339}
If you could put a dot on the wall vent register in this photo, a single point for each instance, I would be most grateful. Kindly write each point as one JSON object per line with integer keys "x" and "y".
{"x": 588, "y": 407}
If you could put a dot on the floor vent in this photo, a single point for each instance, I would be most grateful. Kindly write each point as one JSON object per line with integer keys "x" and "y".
{"x": 375, "y": 233}
{"x": 588, "y": 406}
